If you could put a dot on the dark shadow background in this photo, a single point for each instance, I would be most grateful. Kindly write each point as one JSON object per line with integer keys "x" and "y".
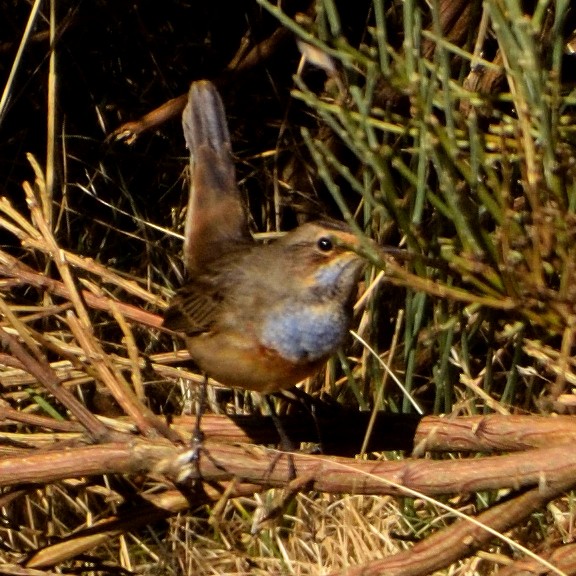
{"x": 117, "y": 61}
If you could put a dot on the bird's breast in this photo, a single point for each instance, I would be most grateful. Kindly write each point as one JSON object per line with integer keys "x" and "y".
{"x": 237, "y": 360}
{"x": 304, "y": 333}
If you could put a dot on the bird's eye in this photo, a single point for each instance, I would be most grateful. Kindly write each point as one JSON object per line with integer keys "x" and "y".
{"x": 325, "y": 244}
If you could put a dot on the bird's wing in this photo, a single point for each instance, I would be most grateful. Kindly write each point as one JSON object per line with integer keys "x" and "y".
{"x": 193, "y": 308}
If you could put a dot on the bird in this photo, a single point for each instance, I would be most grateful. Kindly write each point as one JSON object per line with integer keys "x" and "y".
{"x": 255, "y": 316}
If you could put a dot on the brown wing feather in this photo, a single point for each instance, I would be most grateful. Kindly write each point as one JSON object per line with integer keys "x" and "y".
{"x": 216, "y": 212}
{"x": 193, "y": 309}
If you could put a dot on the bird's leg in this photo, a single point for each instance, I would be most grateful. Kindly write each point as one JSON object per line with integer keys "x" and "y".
{"x": 197, "y": 434}
{"x": 189, "y": 476}
{"x": 286, "y": 444}
{"x": 295, "y": 485}
{"x": 316, "y": 408}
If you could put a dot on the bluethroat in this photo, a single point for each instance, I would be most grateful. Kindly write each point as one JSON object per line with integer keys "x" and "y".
{"x": 256, "y": 316}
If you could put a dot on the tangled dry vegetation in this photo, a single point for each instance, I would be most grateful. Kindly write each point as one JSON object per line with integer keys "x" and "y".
{"x": 443, "y": 130}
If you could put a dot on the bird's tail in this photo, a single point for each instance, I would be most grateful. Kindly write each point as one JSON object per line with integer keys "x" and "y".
{"x": 204, "y": 119}
{"x": 216, "y": 217}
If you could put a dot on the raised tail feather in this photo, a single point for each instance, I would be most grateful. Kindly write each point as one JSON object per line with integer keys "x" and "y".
{"x": 216, "y": 215}
{"x": 204, "y": 119}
